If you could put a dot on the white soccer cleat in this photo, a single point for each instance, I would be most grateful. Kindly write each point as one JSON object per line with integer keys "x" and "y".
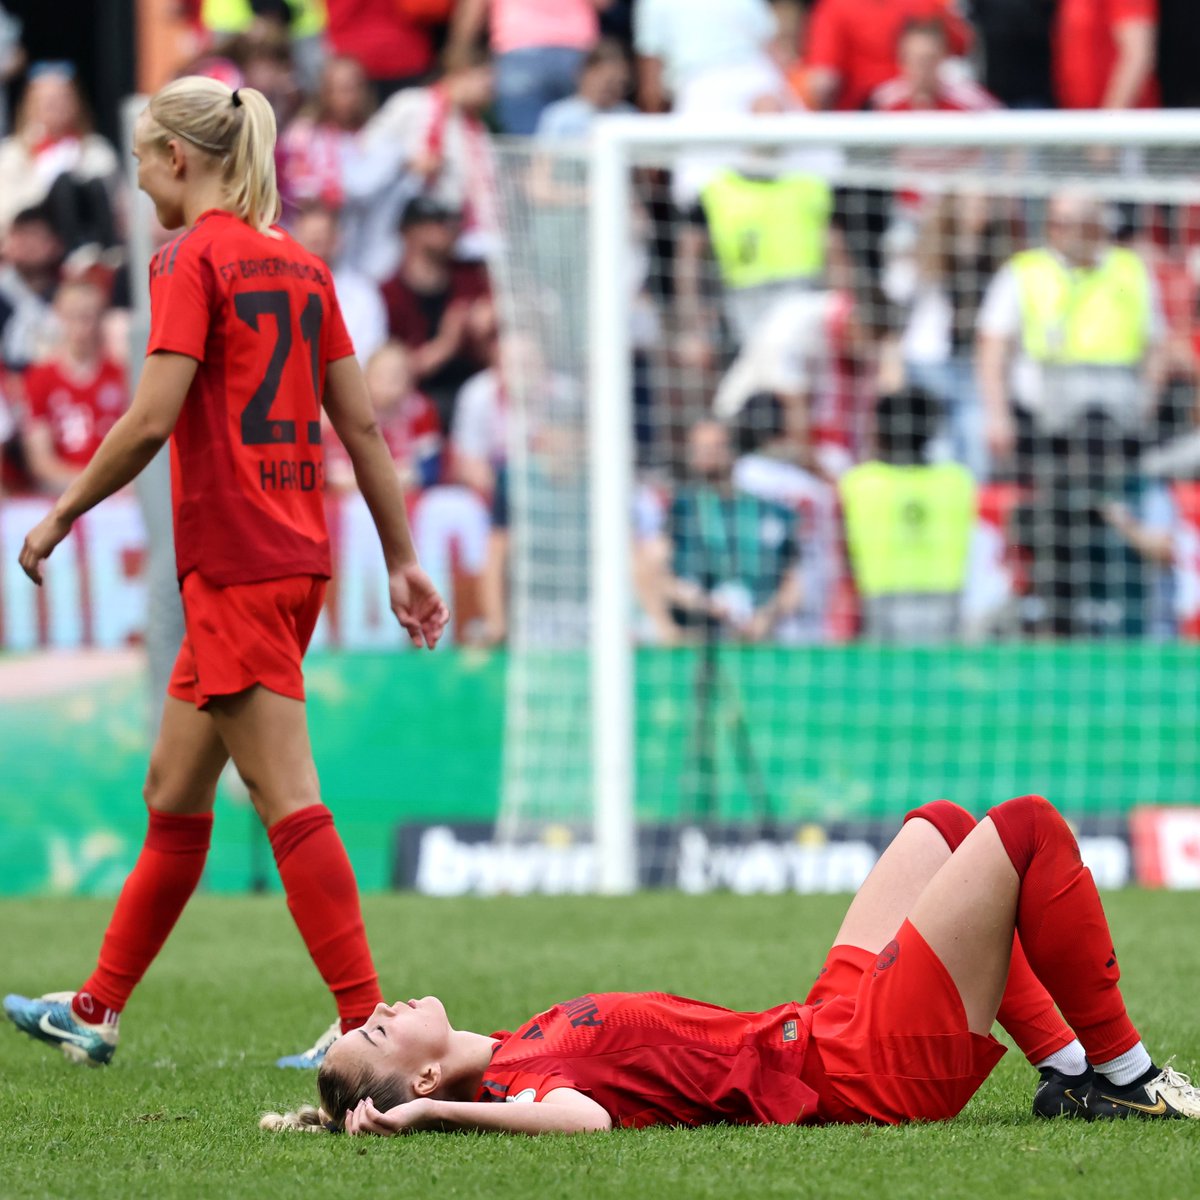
{"x": 314, "y": 1056}
{"x": 1168, "y": 1095}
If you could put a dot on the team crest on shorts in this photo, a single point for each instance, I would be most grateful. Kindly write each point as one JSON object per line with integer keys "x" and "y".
{"x": 888, "y": 955}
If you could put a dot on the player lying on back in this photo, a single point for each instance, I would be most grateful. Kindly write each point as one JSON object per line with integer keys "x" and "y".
{"x": 956, "y": 927}
{"x": 247, "y": 344}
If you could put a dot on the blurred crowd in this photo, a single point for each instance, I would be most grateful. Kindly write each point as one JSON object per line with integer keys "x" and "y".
{"x": 841, "y": 392}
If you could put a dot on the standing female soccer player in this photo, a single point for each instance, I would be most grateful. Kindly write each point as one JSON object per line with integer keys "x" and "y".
{"x": 246, "y": 343}
{"x": 896, "y": 1027}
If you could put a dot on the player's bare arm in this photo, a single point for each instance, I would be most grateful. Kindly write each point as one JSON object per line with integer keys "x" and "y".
{"x": 415, "y": 601}
{"x": 563, "y": 1110}
{"x": 130, "y": 445}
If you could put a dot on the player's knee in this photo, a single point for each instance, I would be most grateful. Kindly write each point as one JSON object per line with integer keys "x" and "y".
{"x": 1023, "y": 824}
{"x": 153, "y": 790}
{"x": 168, "y": 791}
{"x": 951, "y": 820}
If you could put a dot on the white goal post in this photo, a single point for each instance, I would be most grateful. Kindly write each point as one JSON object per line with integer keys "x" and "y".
{"x": 617, "y": 145}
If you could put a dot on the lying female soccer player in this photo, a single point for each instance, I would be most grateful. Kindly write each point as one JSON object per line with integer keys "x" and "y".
{"x": 895, "y": 1034}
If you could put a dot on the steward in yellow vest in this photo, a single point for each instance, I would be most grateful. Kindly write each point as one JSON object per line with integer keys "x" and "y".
{"x": 234, "y": 16}
{"x": 769, "y": 235}
{"x": 908, "y": 526}
{"x": 1081, "y": 316}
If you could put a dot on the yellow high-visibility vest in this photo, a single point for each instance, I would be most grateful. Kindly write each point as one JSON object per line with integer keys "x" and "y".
{"x": 908, "y": 529}
{"x": 1098, "y": 316}
{"x": 232, "y": 16}
{"x": 768, "y": 230}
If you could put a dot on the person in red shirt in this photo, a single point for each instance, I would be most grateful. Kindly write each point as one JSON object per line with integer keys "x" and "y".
{"x": 1104, "y": 53}
{"x": 246, "y": 344}
{"x": 852, "y": 45}
{"x": 924, "y": 84}
{"x": 957, "y": 926}
{"x": 75, "y": 397}
{"x": 395, "y": 50}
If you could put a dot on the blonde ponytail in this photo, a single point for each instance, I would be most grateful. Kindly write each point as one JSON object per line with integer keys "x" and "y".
{"x": 305, "y": 1119}
{"x": 234, "y": 126}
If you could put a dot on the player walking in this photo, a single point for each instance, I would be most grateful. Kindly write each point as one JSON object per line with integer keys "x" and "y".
{"x": 246, "y": 342}
{"x": 896, "y": 1027}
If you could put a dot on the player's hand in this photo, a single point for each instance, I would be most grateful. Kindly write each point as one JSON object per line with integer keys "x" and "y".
{"x": 404, "y": 1118}
{"x": 40, "y": 543}
{"x": 417, "y": 605}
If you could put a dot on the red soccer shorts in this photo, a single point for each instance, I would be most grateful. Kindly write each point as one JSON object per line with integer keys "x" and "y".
{"x": 245, "y": 634}
{"x": 889, "y": 1039}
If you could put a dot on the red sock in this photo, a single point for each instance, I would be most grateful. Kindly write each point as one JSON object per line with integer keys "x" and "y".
{"x": 1062, "y": 925}
{"x": 323, "y": 898}
{"x": 160, "y": 884}
{"x": 1026, "y": 1012}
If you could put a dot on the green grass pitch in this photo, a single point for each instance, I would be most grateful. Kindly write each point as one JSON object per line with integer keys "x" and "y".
{"x": 176, "y": 1114}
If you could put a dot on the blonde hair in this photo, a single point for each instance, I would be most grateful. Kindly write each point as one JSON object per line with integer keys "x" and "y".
{"x": 234, "y": 125}
{"x": 340, "y": 1092}
{"x": 306, "y": 1119}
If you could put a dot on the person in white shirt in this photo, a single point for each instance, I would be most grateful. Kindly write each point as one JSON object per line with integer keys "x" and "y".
{"x": 704, "y": 58}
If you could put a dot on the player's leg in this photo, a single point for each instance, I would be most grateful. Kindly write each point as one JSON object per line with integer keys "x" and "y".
{"x": 1026, "y": 1011}
{"x": 186, "y": 762}
{"x": 1021, "y": 866}
{"x": 924, "y": 844}
{"x": 267, "y": 735}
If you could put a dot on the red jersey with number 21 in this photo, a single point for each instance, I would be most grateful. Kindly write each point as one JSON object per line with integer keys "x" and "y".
{"x": 650, "y": 1058}
{"x": 258, "y": 313}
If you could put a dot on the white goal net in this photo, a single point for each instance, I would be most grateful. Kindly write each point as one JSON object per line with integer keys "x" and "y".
{"x": 854, "y": 462}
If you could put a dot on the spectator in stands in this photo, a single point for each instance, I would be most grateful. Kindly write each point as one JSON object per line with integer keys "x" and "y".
{"x": 1069, "y": 362}
{"x": 908, "y": 526}
{"x": 539, "y": 48}
{"x": 1014, "y": 36}
{"x": 789, "y": 358}
{"x": 961, "y": 244}
{"x": 363, "y": 309}
{"x": 926, "y": 82}
{"x": 314, "y": 145}
{"x": 852, "y": 45}
{"x": 407, "y": 420}
{"x": 768, "y": 220}
{"x": 479, "y": 435}
{"x": 602, "y": 87}
{"x": 1104, "y": 53}
{"x": 395, "y": 49}
{"x": 432, "y": 303}
{"x": 770, "y": 466}
{"x": 714, "y": 65}
{"x": 75, "y": 396}
{"x": 12, "y": 59}
{"x": 728, "y": 562}
{"x": 718, "y": 61}
{"x": 32, "y": 254}
{"x": 302, "y": 22}
{"x": 431, "y": 141}
{"x": 265, "y": 60}
{"x": 54, "y": 160}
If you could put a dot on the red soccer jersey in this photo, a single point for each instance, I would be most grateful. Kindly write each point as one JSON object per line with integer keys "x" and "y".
{"x": 259, "y": 314}
{"x": 79, "y": 411}
{"x": 1085, "y": 49}
{"x": 648, "y": 1058}
{"x": 858, "y": 39}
